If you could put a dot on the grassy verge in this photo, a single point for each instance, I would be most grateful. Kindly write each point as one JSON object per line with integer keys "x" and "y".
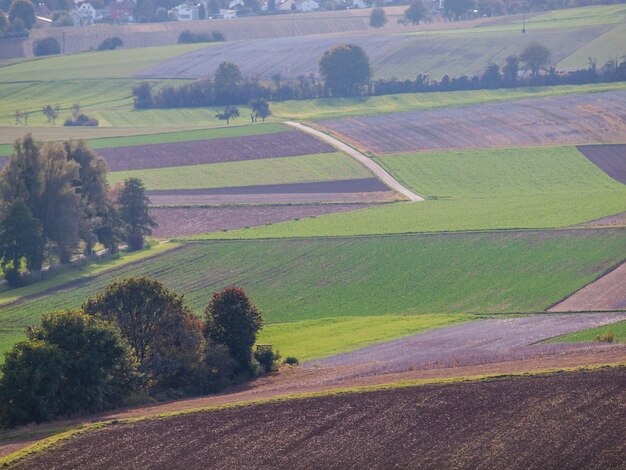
{"x": 589, "y": 336}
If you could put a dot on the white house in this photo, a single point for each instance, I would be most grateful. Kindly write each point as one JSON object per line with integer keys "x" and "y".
{"x": 185, "y": 12}
{"x": 84, "y": 14}
{"x": 300, "y": 5}
{"x": 360, "y": 4}
{"x": 236, "y": 4}
{"x": 228, "y": 14}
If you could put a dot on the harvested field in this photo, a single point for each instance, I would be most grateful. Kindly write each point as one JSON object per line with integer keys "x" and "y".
{"x": 607, "y": 293}
{"x": 183, "y": 221}
{"x": 470, "y": 343}
{"x": 400, "y": 56}
{"x": 254, "y": 147}
{"x": 356, "y": 190}
{"x": 571, "y": 119}
{"x": 609, "y": 158}
{"x": 561, "y": 420}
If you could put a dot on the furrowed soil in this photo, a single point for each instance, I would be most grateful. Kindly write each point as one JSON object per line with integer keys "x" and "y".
{"x": 609, "y": 158}
{"x": 559, "y": 420}
{"x": 233, "y": 149}
{"x": 607, "y": 293}
{"x": 182, "y": 221}
{"x": 572, "y": 119}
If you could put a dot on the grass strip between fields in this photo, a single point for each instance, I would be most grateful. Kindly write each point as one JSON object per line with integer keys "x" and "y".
{"x": 62, "y": 438}
{"x": 589, "y": 336}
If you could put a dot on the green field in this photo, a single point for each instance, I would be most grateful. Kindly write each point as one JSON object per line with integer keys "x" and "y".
{"x": 312, "y": 339}
{"x": 589, "y": 336}
{"x": 296, "y": 280}
{"x": 121, "y": 63}
{"x": 304, "y": 169}
{"x": 473, "y": 190}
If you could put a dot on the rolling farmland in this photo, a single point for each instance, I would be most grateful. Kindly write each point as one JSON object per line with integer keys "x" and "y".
{"x": 299, "y": 280}
{"x": 572, "y": 119}
{"x": 439, "y": 425}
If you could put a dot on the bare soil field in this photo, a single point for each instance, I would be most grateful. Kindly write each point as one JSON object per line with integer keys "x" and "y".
{"x": 400, "y": 56}
{"x": 607, "y": 293}
{"x": 368, "y": 190}
{"x": 477, "y": 342}
{"x": 183, "y": 221}
{"x": 571, "y": 119}
{"x": 231, "y": 149}
{"x": 617, "y": 220}
{"x": 559, "y": 420}
{"x": 609, "y": 158}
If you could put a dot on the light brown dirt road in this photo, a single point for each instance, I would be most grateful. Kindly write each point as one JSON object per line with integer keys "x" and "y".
{"x": 368, "y": 163}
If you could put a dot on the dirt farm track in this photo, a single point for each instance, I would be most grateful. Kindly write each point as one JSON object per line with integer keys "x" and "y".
{"x": 564, "y": 420}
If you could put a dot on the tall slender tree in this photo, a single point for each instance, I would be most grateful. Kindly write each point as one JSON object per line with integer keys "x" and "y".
{"x": 134, "y": 212}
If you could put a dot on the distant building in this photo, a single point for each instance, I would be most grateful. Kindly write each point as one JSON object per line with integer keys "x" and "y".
{"x": 185, "y": 12}
{"x": 228, "y": 14}
{"x": 298, "y": 5}
{"x": 121, "y": 12}
{"x": 83, "y": 15}
{"x": 236, "y": 5}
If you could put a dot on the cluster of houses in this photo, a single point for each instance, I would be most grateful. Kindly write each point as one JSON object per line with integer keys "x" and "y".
{"x": 121, "y": 11}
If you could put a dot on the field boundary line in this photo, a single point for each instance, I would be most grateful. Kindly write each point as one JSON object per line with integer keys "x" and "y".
{"x": 380, "y": 173}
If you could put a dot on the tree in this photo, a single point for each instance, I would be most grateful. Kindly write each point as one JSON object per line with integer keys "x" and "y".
{"x": 142, "y": 95}
{"x": 71, "y": 363}
{"x": 46, "y": 181}
{"x": 234, "y": 321}
{"x": 51, "y": 113}
{"x": 23, "y": 10}
{"x": 510, "y": 70}
{"x": 260, "y": 108}
{"x": 535, "y": 56}
{"x": 229, "y": 113}
{"x": 415, "y": 13}
{"x": 20, "y": 238}
{"x": 227, "y": 80}
{"x": 345, "y": 69}
{"x": 110, "y": 44}
{"x": 46, "y": 46}
{"x": 134, "y": 212}
{"x": 454, "y": 9}
{"x": 378, "y": 19}
{"x": 491, "y": 77}
{"x": 162, "y": 331}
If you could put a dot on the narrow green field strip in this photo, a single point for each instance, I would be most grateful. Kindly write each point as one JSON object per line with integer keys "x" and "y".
{"x": 344, "y": 107}
{"x": 121, "y": 63}
{"x": 187, "y": 136}
{"x": 453, "y": 215}
{"x": 589, "y": 336}
{"x": 499, "y": 172}
{"x": 8, "y": 338}
{"x": 313, "y": 339}
{"x": 303, "y": 169}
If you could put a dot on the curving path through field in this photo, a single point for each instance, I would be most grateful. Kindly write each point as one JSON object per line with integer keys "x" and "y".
{"x": 368, "y": 163}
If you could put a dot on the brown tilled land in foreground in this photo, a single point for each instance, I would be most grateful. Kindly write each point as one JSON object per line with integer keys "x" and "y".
{"x": 563, "y": 420}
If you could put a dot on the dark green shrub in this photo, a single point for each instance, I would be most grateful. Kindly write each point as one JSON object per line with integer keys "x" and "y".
{"x": 267, "y": 358}
{"x": 606, "y": 337}
{"x": 46, "y": 46}
{"x": 110, "y": 44}
{"x": 291, "y": 361}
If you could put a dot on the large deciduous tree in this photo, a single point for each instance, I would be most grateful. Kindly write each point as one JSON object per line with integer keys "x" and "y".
{"x": 227, "y": 80}
{"x": 345, "y": 70}
{"x": 455, "y": 9}
{"x": 378, "y": 19}
{"x": 416, "y": 13}
{"x": 134, "y": 212}
{"x": 234, "y": 321}
{"x": 535, "y": 56}
{"x": 20, "y": 239}
{"x": 23, "y": 10}
{"x": 162, "y": 331}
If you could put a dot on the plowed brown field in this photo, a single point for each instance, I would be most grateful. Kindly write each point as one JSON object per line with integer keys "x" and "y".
{"x": 609, "y": 158}
{"x": 554, "y": 421}
{"x": 182, "y": 221}
{"x": 571, "y": 119}
{"x": 231, "y": 149}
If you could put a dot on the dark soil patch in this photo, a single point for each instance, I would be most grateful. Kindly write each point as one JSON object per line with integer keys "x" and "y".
{"x": 182, "y": 221}
{"x": 609, "y": 158}
{"x": 564, "y": 420}
{"x": 365, "y": 185}
{"x": 231, "y": 149}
